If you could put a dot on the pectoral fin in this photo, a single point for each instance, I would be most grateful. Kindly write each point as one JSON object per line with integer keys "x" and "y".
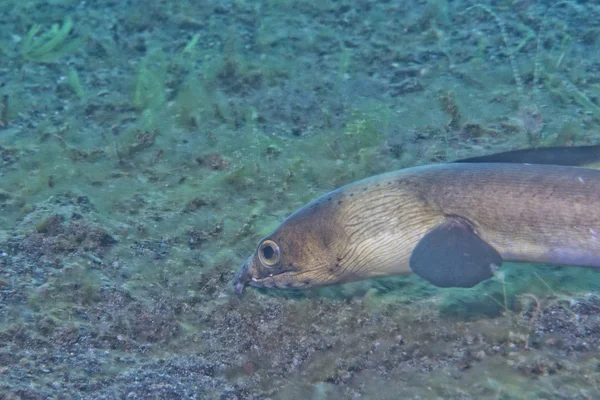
{"x": 452, "y": 255}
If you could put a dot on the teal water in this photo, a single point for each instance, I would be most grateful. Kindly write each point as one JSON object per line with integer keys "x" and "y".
{"x": 146, "y": 147}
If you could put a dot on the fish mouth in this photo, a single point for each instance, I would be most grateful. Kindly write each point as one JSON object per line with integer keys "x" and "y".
{"x": 248, "y": 275}
{"x": 283, "y": 280}
{"x": 272, "y": 281}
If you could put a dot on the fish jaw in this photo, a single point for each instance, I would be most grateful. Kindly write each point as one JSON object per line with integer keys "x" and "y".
{"x": 250, "y": 274}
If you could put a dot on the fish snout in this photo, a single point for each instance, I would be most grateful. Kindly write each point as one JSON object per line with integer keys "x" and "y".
{"x": 243, "y": 276}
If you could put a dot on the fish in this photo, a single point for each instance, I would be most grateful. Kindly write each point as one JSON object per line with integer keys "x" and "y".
{"x": 452, "y": 224}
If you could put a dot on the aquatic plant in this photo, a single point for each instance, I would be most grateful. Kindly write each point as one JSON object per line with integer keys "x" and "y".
{"x": 51, "y": 45}
{"x": 149, "y": 87}
{"x": 75, "y": 83}
{"x": 554, "y": 81}
{"x": 189, "y": 47}
{"x": 511, "y": 53}
{"x": 4, "y": 111}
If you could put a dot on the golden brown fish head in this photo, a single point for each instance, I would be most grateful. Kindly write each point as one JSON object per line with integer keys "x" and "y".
{"x": 300, "y": 254}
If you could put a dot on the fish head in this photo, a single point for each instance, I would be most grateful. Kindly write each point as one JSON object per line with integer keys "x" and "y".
{"x": 300, "y": 254}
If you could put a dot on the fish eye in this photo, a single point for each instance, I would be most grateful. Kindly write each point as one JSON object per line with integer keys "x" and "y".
{"x": 268, "y": 253}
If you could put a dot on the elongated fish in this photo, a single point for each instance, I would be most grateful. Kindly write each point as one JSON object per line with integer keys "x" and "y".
{"x": 452, "y": 224}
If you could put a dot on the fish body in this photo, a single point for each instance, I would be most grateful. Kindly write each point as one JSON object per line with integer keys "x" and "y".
{"x": 452, "y": 224}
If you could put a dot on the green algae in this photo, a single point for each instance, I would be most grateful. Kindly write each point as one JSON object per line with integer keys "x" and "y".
{"x": 50, "y": 45}
{"x": 75, "y": 84}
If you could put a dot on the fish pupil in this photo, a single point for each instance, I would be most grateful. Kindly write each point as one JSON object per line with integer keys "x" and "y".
{"x": 268, "y": 252}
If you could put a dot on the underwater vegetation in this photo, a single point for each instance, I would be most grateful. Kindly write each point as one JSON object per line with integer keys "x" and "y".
{"x": 553, "y": 81}
{"x": 49, "y": 45}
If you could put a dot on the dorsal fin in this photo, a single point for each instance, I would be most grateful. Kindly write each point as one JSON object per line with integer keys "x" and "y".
{"x": 577, "y": 156}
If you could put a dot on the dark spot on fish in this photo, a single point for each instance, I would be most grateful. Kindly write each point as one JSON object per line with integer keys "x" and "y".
{"x": 364, "y": 189}
{"x": 329, "y": 199}
{"x": 289, "y": 285}
{"x": 306, "y": 282}
{"x": 336, "y": 267}
{"x": 351, "y": 194}
{"x": 389, "y": 183}
{"x": 339, "y": 202}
